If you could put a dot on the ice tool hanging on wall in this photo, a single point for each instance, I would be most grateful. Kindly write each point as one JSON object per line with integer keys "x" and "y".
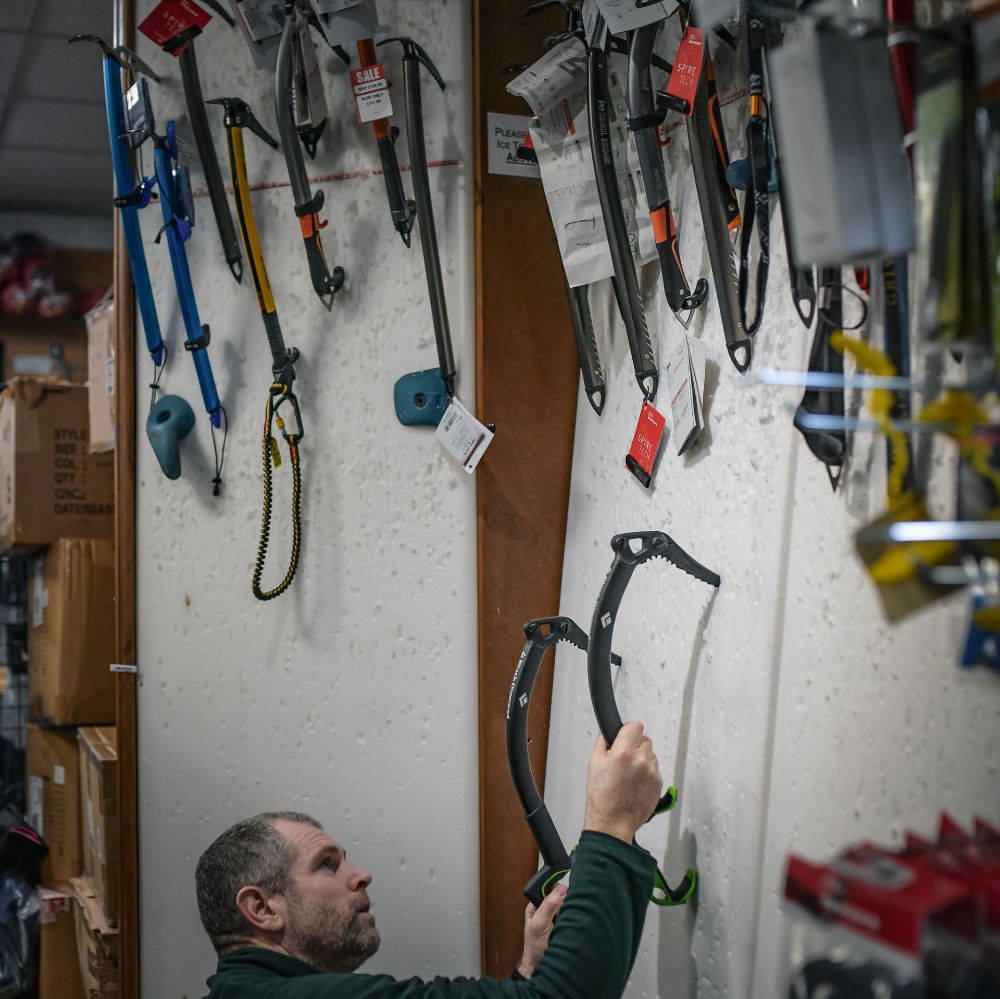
{"x": 130, "y": 121}
{"x": 130, "y": 197}
{"x": 579, "y": 303}
{"x": 757, "y": 204}
{"x": 239, "y": 117}
{"x": 541, "y": 635}
{"x": 625, "y": 282}
{"x": 174, "y": 27}
{"x": 424, "y": 384}
{"x": 402, "y": 210}
{"x": 177, "y": 208}
{"x": 632, "y": 550}
{"x": 829, "y": 444}
{"x": 326, "y": 282}
{"x": 717, "y": 200}
{"x": 644, "y": 118}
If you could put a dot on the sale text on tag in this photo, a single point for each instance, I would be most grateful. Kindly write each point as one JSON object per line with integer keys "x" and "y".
{"x": 173, "y": 23}
{"x": 371, "y": 93}
{"x": 683, "y": 83}
{"x": 645, "y": 444}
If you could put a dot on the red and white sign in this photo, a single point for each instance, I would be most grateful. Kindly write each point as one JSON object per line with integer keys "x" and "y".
{"x": 171, "y": 18}
{"x": 687, "y": 67}
{"x": 371, "y": 93}
{"x": 646, "y": 442}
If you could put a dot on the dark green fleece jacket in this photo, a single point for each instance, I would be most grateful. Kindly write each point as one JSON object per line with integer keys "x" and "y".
{"x": 590, "y": 954}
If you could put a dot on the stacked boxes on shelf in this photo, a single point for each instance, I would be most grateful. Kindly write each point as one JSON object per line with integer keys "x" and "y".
{"x": 57, "y": 510}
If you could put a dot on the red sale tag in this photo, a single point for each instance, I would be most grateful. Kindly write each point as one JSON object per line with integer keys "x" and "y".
{"x": 173, "y": 23}
{"x": 646, "y": 442}
{"x": 371, "y": 93}
{"x": 687, "y": 68}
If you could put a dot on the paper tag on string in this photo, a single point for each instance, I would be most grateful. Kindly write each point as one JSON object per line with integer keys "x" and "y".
{"x": 171, "y": 19}
{"x": 688, "y": 64}
{"x": 261, "y": 23}
{"x": 624, "y": 15}
{"x": 371, "y": 93}
{"x": 645, "y": 443}
{"x": 463, "y": 436}
{"x": 561, "y": 71}
{"x": 347, "y": 24}
{"x": 595, "y": 28}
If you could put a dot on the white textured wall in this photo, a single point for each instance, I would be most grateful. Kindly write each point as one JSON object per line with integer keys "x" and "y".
{"x": 353, "y": 696}
{"x": 791, "y": 716}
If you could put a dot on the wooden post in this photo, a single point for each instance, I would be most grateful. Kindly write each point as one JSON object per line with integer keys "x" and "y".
{"x": 526, "y": 383}
{"x": 125, "y": 587}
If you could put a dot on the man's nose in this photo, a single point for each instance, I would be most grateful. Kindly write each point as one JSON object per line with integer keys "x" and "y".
{"x": 359, "y": 879}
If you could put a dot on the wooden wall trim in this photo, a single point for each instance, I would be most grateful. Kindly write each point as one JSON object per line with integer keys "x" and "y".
{"x": 526, "y": 383}
{"x": 125, "y": 586}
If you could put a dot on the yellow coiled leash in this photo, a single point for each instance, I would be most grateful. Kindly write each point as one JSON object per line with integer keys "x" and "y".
{"x": 279, "y": 395}
{"x": 239, "y": 116}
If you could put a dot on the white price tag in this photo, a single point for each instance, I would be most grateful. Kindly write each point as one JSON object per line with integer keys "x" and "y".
{"x": 348, "y": 23}
{"x": 685, "y": 382}
{"x": 463, "y": 436}
{"x": 58, "y": 775}
{"x": 371, "y": 93}
{"x": 334, "y": 6}
{"x": 261, "y": 19}
{"x": 624, "y": 15}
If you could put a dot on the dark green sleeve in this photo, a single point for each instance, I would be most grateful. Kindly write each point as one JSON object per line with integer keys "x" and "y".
{"x": 592, "y": 949}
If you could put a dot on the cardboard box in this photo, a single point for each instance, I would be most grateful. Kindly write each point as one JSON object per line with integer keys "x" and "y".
{"x": 53, "y": 793}
{"x": 101, "y": 376}
{"x": 50, "y": 485}
{"x": 58, "y": 963}
{"x": 40, "y": 353}
{"x": 71, "y": 638}
{"x": 96, "y": 942}
{"x": 99, "y": 800}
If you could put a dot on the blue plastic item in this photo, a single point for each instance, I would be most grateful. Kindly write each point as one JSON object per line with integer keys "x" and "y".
{"x": 169, "y": 421}
{"x": 178, "y": 229}
{"x": 420, "y": 398}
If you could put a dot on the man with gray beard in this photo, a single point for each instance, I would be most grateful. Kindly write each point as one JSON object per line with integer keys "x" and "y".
{"x": 290, "y": 917}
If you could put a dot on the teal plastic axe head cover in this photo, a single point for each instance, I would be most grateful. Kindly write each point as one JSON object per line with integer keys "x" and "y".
{"x": 169, "y": 421}
{"x": 421, "y": 398}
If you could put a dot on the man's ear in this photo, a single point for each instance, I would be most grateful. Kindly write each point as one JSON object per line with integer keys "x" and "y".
{"x": 262, "y": 911}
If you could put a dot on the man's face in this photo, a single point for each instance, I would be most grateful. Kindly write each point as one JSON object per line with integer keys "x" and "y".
{"x": 329, "y": 924}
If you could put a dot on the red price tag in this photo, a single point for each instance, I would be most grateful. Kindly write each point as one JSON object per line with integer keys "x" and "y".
{"x": 646, "y": 442}
{"x": 171, "y": 20}
{"x": 684, "y": 79}
{"x": 371, "y": 93}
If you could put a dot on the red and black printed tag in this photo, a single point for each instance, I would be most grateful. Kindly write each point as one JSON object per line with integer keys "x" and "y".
{"x": 645, "y": 444}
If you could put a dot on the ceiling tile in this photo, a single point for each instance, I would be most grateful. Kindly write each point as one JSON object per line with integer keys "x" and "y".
{"x": 92, "y": 17}
{"x": 17, "y": 16}
{"x": 53, "y": 125}
{"x": 10, "y": 48}
{"x": 56, "y": 69}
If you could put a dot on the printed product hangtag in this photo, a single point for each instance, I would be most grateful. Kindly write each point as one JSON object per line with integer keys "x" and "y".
{"x": 308, "y": 97}
{"x": 344, "y": 23}
{"x": 683, "y": 83}
{"x": 371, "y": 93}
{"x": 463, "y": 436}
{"x": 683, "y": 392}
{"x": 645, "y": 443}
{"x": 624, "y": 15}
{"x": 595, "y": 28}
{"x": 173, "y": 23}
{"x": 261, "y": 22}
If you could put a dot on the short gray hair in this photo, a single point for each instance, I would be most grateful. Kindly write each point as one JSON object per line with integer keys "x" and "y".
{"x": 252, "y": 852}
